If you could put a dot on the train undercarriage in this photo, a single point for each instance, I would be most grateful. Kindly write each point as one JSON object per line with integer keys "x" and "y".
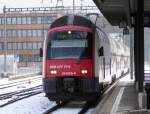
{"x": 71, "y": 88}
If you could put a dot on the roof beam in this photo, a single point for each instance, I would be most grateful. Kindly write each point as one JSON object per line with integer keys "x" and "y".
{"x": 115, "y": 11}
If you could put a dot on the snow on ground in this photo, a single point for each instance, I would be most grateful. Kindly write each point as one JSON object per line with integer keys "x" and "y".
{"x": 29, "y": 84}
{"x": 67, "y": 111}
{"x": 70, "y": 111}
{"x": 20, "y": 87}
{"x": 36, "y": 105}
{"x": 6, "y": 80}
{"x": 32, "y": 105}
{"x": 73, "y": 107}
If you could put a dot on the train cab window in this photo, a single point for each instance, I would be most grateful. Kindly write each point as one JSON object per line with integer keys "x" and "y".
{"x": 69, "y": 45}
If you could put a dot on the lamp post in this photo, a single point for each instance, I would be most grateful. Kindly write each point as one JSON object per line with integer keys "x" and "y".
{"x": 5, "y": 43}
{"x": 73, "y": 6}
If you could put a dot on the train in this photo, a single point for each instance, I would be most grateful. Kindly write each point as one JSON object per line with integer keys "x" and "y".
{"x": 80, "y": 59}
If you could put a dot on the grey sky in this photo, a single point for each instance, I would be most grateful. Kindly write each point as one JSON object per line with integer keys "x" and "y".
{"x": 38, "y": 3}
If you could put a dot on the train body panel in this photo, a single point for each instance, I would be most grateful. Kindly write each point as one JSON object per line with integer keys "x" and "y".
{"x": 99, "y": 68}
{"x": 61, "y": 68}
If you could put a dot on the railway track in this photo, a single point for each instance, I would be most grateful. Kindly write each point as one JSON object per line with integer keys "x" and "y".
{"x": 56, "y": 107}
{"x": 17, "y": 83}
{"x": 83, "y": 110}
{"x": 12, "y": 97}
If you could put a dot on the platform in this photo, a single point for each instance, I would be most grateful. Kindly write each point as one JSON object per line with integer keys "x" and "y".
{"x": 123, "y": 99}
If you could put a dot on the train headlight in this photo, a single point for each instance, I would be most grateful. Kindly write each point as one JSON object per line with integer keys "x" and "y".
{"x": 53, "y": 72}
{"x": 84, "y": 71}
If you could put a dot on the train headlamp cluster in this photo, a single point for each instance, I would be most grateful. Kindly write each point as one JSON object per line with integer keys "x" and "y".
{"x": 83, "y": 71}
{"x": 53, "y": 72}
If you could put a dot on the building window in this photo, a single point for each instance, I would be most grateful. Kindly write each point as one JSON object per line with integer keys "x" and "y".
{"x": 0, "y": 21}
{"x": 14, "y": 20}
{"x": 24, "y": 20}
{"x": 9, "y": 33}
{"x": 45, "y": 19}
{"x": 20, "y": 57}
{"x": 42, "y": 19}
{"x": 34, "y": 20}
{"x": 19, "y": 33}
{"x": 39, "y": 20}
{"x": 0, "y": 33}
{"x": 14, "y": 45}
{"x": 34, "y": 34}
{"x": 29, "y": 33}
{"x": 14, "y": 33}
{"x": 28, "y": 20}
{"x": 1, "y": 46}
{"x": 8, "y": 20}
{"x": 29, "y": 45}
{"x": 24, "y": 46}
{"x": 40, "y": 45}
{"x": 3, "y": 20}
{"x": 25, "y": 58}
{"x": 34, "y": 45}
{"x": 39, "y": 33}
{"x": 29, "y": 58}
{"x": 9, "y": 45}
{"x": 45, "y": 32}
{"x": 49, "y": 19}
{"x": 35, "y": 58}
{"x": 24, "y": 33}
{"x": 18, "y": 20}
{"x": 19, "y": 45}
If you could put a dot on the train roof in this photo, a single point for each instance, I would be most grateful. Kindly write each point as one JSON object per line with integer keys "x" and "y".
{"x": 72, "y": 20}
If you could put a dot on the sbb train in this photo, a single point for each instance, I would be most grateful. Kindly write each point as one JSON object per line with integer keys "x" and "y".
{"x": 80, "y": 59}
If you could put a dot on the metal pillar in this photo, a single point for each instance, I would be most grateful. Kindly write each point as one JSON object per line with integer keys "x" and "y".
{"x": 131, "y": 53}
{"x": 136, "y": 57}
{"x": 139, "y": 51}
{"x": 140, "y": 40}
{"x": 139, "y": 45}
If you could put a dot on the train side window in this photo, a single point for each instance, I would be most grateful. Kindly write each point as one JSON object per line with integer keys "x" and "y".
{"x": 101, "y": 51}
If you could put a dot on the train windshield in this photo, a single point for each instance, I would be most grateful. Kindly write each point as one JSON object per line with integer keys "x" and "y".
{"x": 69, "y": 45}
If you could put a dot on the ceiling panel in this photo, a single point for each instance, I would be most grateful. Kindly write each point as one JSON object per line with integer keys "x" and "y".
{"x": 117, "y": 11}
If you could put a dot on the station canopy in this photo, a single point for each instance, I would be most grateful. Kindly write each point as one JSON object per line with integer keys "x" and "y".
{"x": 120, "y": 12}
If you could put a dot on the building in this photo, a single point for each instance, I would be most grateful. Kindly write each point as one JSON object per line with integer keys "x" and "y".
{"x": 22, "y": 34}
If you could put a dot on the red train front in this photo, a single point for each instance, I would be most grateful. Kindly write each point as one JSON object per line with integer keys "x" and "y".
{"x": 69, "y": 60}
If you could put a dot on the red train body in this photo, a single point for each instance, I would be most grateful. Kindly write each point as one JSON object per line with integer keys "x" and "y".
{"x": 71, "y": 69}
